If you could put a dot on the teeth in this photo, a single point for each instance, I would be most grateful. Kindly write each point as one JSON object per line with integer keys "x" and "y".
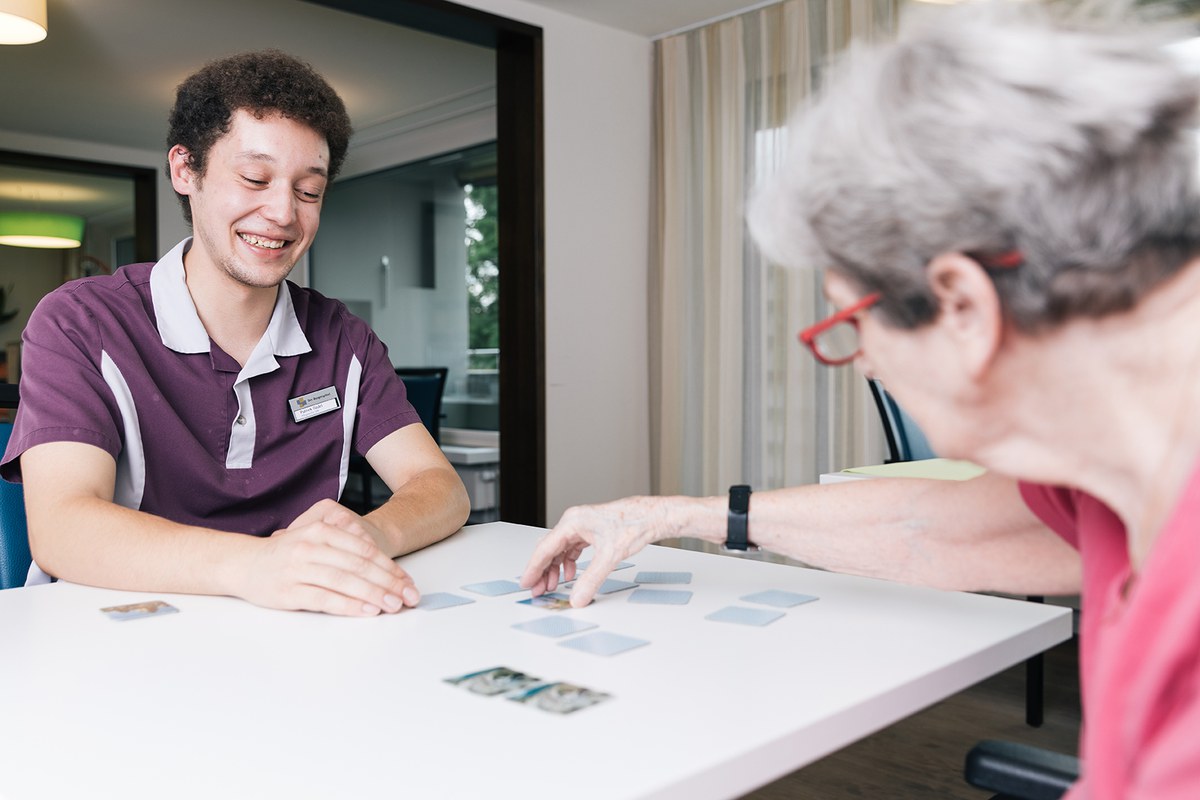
{"x": 258, "y": 241}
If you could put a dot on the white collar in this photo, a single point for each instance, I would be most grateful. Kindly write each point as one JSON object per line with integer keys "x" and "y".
{"x": 179, "y": 324}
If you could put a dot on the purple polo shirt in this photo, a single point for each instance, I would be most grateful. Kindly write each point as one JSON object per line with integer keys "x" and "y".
{"x": 122, "y": 362}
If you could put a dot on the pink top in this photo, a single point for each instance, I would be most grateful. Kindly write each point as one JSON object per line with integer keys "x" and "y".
{"x": 1139, "y": 648}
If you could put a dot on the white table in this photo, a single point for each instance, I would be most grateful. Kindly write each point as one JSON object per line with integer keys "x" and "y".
{"x": 227, "y": 700}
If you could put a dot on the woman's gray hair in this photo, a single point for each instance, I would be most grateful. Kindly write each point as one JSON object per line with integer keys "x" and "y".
{"x": 988, "y": 128}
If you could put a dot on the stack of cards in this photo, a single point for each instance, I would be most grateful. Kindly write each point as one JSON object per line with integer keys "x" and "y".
{"x": 555, "y": 697}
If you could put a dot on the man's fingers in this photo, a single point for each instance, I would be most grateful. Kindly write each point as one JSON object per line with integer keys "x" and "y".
{"x": 316, "y": 598}
{"x": 330, "y": 558}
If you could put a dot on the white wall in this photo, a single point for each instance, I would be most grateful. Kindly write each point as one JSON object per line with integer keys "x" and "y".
{"x": 598, "y": 104}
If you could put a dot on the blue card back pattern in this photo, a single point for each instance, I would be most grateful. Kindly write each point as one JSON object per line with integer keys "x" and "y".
{"x": 493, "y": 588}
{"x": 603, "y": 643}
{"x": 739, "y": 615}
{"x": 554, "y": 627}
{"x": 437, "y": 600}
{"x": 663, "y": 597}
{"x": 663, "y": 577}
{"x": 779, "y": 598}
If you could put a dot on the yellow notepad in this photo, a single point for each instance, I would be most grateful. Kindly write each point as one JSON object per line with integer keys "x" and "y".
{"x": 943, "y": 469}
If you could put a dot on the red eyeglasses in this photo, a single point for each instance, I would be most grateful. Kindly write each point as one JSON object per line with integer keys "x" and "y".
{"x": 834, "y": 340}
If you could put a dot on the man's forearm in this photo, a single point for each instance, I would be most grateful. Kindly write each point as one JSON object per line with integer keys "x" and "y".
{"x": 97, "y": 542}
{"x": 429, "y": 507}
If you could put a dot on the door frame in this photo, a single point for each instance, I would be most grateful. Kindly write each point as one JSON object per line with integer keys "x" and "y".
{"x": 521, "y": 230}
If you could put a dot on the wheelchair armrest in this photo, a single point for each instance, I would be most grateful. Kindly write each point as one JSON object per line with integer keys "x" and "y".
{"x": 1020, "y": 771}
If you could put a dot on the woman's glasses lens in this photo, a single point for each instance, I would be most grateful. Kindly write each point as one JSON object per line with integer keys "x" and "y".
{"x": 839, "y": 343}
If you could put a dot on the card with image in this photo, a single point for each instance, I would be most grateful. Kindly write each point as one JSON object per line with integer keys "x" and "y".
{"x": 602, "y": 643}
{"x": 554, "y": 627}
{"x": 663, "y": 577}
{"x": 779, "y": 598}
{"x": 745, "y": 616}
{"x": 661, "y": 597}
{"x": 149, "y": 608}
{"x": 559, "y": 698}
{"x": 493, "y": 588}
{"x": 554, "y": 601}
{"x": 493, "y": 681}
{"x": 438, "y": 600}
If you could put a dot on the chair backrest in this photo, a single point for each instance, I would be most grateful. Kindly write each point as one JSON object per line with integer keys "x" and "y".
{"x": 14, "y": 536}
{"x": 905, "y": 440}
{"x": 425, "y": 386}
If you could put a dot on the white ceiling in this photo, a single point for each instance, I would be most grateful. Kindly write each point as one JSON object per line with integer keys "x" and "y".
{"x": 107, "y": 72}
{"x": 648, "y": 17}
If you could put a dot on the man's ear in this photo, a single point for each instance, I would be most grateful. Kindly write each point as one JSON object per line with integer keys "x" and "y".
{"x": 969, "y": 309}
{"x": 183, "y": 178}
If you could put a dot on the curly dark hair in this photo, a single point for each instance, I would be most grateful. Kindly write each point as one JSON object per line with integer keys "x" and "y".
{"x": 261, "y": 83}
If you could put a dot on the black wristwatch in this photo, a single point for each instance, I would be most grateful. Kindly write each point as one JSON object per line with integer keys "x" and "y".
{"x": 737, "y": 535}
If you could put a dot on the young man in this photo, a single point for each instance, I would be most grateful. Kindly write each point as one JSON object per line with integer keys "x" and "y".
{"x": 170, "y": 409}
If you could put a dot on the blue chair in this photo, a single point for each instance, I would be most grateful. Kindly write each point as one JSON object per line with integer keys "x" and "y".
{"x": 14, "y": 536}
{"x": 425, "y": 387}
{"x": 905, "y": 440}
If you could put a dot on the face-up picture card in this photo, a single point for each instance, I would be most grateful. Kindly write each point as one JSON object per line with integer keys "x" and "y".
{"x": 559, "y": 698}
{"x": 148, "y": 608}
{"x": 493, "y": 681}
{"x": 553, "y": 601}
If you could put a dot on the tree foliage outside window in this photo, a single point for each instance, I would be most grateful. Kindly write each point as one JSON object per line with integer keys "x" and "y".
{"x": 483, "y": 275}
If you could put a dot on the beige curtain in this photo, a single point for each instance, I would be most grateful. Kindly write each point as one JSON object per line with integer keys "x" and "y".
{"x": 734, "y": 397}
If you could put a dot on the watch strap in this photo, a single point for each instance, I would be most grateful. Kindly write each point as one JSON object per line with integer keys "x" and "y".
{"x": 737, "y": 535}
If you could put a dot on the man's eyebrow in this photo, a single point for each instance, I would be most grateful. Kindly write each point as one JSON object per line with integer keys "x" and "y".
{"x": 254, "y": 155}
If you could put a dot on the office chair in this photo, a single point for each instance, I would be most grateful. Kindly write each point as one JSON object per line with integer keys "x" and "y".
{"x": 905, "y": 441}
{"x": 14, "y": 536}
{"x": 1020, "y": 772}
{"x": 425, "y": 387}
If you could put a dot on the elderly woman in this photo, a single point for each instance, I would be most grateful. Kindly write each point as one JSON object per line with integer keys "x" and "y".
{"x": 1005, "y": 205}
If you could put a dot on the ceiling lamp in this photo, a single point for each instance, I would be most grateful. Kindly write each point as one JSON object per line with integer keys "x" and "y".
{"x": 22, "y": 21}
{"x": 35, "y": 229}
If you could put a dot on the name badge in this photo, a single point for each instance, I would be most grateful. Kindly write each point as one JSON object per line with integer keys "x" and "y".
{"x": 314, "y": 404}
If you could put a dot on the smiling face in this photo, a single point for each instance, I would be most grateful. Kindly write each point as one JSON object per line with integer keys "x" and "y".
{"x": 256, "y": 208}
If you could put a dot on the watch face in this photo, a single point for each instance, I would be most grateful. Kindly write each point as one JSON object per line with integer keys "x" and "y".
{"x": 739, "y": 499}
